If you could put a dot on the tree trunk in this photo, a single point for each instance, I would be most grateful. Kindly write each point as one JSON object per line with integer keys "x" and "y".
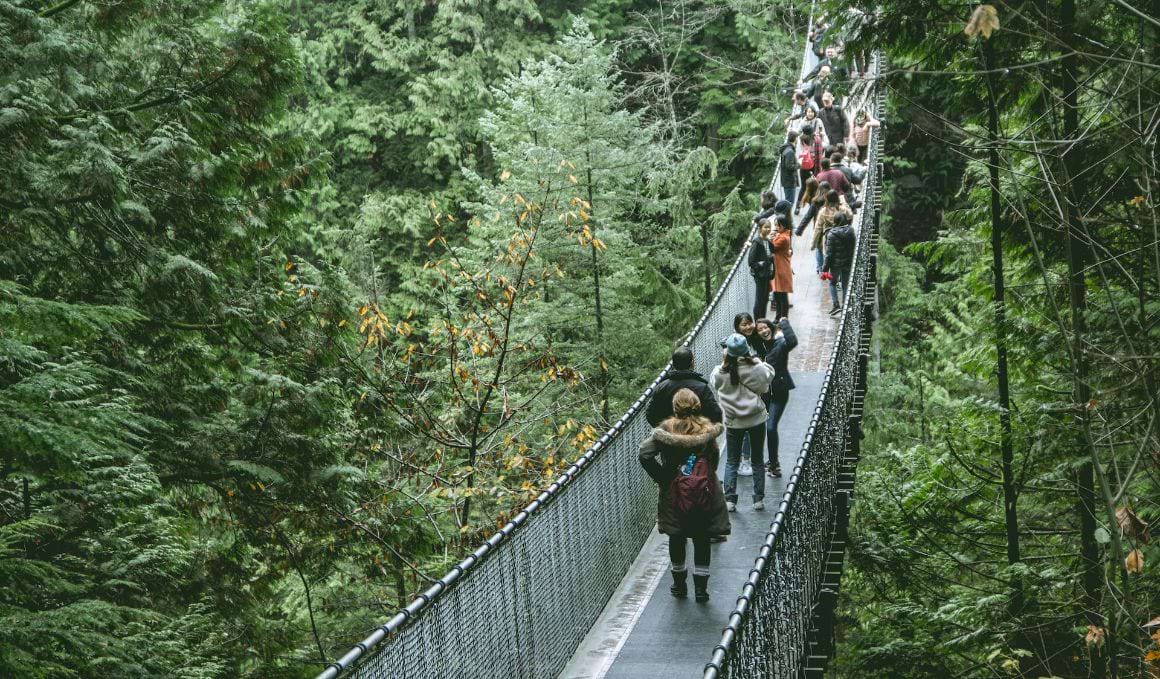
{"x": 1010, "y": 496}
{"x": 596, "y": 294}
{"x": 1078, "y": 256}
{"x": 705, "y": 262}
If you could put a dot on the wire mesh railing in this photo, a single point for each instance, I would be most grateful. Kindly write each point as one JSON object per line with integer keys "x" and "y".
{"x": 521, "y": 603}
{"x": 767, "y": 633}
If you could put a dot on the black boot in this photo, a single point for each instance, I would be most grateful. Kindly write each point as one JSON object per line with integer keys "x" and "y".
{"x": 701, "y": 588}
{"x": 680, "y": 588}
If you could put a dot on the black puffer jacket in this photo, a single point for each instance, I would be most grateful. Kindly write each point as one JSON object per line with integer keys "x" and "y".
{"x": 839, "y": 249}
{"x": 778, "y": 357}
{"x": 789, "y": 164}
{"x": 660, "y": 407}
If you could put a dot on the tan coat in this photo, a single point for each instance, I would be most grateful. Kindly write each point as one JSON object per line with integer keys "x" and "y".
{"x": 782, "y": 262}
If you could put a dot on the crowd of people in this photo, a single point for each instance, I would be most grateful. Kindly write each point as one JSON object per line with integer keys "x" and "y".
{"x": 821, "y": 171}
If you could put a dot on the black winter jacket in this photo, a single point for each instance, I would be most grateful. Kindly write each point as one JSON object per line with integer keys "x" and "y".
{"x": 778, "y": 357}
{"x": 760, "y": 259}
{"x": 660, "y": 407}
{"x": 835, "y": 122}
{"x": 839, "y": 249}
{"x": 789, "y": 164}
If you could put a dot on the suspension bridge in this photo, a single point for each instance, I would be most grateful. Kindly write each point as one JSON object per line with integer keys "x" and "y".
{"x": 569, "y": 587}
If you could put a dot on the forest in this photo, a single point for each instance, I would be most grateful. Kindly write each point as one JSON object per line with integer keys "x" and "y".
{"x": 300, "y": 300}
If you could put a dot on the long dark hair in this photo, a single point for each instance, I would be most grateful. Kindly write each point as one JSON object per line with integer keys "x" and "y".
{"x": 737, "y": 321}
{"x": 820, "y": 196}
{"x": 731, "y": 363}
{"x": 809, "y": 191}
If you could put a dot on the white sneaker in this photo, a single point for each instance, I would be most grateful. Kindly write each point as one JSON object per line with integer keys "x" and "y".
{"x": 745, "y": 469}
{"x": 759, "y": 506}
{"x": 730, "y": 506}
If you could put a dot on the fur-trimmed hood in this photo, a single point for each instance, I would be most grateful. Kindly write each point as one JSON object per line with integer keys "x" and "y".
{"x": 692, "y": 441}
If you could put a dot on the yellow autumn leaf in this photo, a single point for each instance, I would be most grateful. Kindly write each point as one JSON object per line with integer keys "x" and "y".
{"x": 1134, "y": 562}
{"x": 289, "y": 265}
{"x": 572, "y": 178}
{"x": 503, "y": 176}
{"x": 984, "y": 21}
{"x": 1138, "y": 201}
{"x": 1094, "y": 637}
{"x": 342, "y": 323}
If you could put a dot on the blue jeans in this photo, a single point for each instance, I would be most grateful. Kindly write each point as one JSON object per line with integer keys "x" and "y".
{"x": 733, "y": 441}
{"x": 819, "y": 257}
{"x": 776, "y": 408}
{"x": 790, "y": 193}
{"x": 842, "y": 277}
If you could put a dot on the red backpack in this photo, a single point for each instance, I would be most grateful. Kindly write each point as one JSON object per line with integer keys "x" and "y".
{"x": 806, "y": 159}
{"x": 692, "y": 492}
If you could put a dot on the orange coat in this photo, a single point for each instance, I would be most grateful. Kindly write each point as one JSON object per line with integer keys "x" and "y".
{"x": 782, "y": 262}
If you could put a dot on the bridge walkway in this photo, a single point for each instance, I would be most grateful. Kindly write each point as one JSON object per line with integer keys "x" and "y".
{"x": 644, "y": 632}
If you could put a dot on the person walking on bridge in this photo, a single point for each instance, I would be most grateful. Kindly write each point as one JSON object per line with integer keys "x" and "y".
{"x": 681, "y": 376}
{"x": 741, "y": 380}
{"x": 835, "y": 178}
{"x": 839, "y": 256}
{"x": 809, "y": 151}
{"x": 682, "y": 456}
{"x": 833, "y": 119}
{"x": 834, "y": 205}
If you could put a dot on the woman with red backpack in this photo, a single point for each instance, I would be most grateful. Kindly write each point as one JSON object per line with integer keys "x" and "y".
{"x": 681, "y": 456}
{"x": 809, "y": 151}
